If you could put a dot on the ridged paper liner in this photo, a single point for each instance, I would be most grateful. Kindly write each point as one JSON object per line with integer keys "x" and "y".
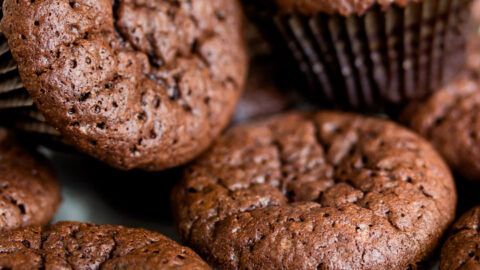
{"x": 381, "y": 57}
{"x": 17, "y": 109}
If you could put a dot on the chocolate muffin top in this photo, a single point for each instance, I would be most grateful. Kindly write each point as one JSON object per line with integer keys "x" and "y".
{"x": 325, "y": 190}
{"x": 136, "y": 83}
{"x": 461, "y": 250}
{"x": 450, "y": 120}
{"x": 73, "y": 245}
{"x": 342, "y": 7}
{"x": 29, "y": 190}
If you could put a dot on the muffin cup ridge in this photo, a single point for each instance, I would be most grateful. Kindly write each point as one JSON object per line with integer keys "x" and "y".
{"x": 377, "y": 58}
{"x": 16, "y": 105}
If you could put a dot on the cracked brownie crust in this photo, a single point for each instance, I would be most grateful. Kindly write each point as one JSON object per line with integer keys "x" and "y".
{"x": 136, "y": 83}
{"x": 29, "y": 190}
{"x": 461, "y": 250}
{"x": 450, "y": 120}
{"x": 73, "y": 245}
{"x": 324, "y": 190}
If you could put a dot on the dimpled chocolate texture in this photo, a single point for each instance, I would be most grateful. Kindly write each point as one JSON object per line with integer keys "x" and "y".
{"x": 29, "y": 190}
{"x": 461, "y": 249}
{"x": 450, "y": 120}
{"x": 136, "y": 83}
{"x": 316, "y": 191}
{"x": 73, "y": 245}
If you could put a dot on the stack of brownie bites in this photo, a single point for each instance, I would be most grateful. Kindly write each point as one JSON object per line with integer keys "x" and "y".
{"x": 311, "y": 134}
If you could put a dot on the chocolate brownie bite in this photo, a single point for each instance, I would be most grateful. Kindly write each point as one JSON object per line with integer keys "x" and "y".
{"x": 325, "y": 190}
{"x": 136, "y": 84}
{"x": 73, "y": 245}
{"x": 29, "y": 189}
{"x": 461, "y": 249}
{"x": 449, "y": 119}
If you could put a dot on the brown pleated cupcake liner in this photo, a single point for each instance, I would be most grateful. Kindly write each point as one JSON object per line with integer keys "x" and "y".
{"x": 10, "y": 82}
{"x": 15, "y": 99}
{"x": 17, "y": 109}
{"x": 27, "y": 119}
{"x": 380, "y": 58}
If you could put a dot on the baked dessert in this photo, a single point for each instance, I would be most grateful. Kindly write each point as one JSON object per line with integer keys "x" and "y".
{"x": 136, "y": 84}
{"x": 460, "y": 250}
{"x": 29, "y": 189}
{"x": 368, "y": 54}
{"x": 74, "y": 245}
{"x": 323, "y": 190}
{"x": 449, "y": 120}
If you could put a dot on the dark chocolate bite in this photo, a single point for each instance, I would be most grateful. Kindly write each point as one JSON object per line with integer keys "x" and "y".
{"x": 75, "y": 245}
{"x": 461, "y": 250}
{"x": 137, "y": 84}
{"x": 29, "y": 189}
{"x": 323, "y": 190}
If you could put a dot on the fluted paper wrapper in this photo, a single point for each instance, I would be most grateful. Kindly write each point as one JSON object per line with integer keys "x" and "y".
{"x": 17, "y": 109}
{"x": 376, "y": 59}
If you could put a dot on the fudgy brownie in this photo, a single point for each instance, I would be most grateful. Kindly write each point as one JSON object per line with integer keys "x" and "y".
{"x": 136, "y": 83}
{"x": 29, "y": 189}
{"x": 449, "y": 119}
{"x": 73, "y": 245}
{"x": 461, "y": 250}
{"x": 324, "y": 190}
